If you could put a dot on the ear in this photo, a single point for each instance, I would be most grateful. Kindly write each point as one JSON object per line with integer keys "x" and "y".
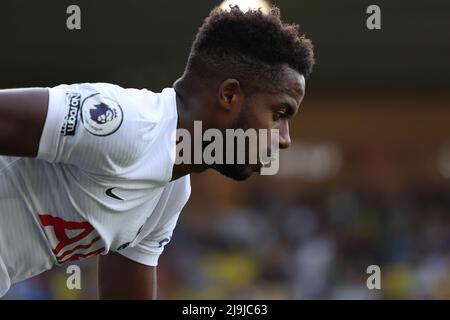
{"x": 230, "y": 94}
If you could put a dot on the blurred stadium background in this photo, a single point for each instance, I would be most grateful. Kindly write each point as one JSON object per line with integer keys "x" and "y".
{"x": 367, "y": 180}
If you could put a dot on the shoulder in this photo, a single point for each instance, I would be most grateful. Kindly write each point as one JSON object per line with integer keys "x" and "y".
{"x": 143, "y": 102}
{"x": 110, "y": 129}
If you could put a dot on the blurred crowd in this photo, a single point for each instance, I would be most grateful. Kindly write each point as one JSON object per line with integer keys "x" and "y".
{"x": 315, "y": 246}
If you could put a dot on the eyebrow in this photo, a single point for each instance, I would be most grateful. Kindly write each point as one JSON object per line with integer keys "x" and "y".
{"x": 291, "y": 93}
{"x": 291, "y": 109}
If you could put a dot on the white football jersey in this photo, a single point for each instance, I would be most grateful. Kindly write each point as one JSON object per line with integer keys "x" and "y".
{"x": 101, "y": 182}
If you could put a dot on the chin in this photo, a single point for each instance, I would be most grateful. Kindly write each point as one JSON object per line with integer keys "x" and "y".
{"x": 236, "y": 172}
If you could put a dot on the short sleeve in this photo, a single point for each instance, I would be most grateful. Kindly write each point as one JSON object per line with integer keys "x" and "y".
{"x": 97, "y": 127}
{"x": 148, "y": 250}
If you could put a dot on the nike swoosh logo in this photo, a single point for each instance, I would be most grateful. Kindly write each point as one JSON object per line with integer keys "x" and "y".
{"x": 109, "y": 193}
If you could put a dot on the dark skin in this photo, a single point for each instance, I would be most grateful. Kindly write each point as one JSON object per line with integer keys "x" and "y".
{"x": 122, "y": 278}
{"x": 220, "y": 106}
{"x": 217, "y": 105}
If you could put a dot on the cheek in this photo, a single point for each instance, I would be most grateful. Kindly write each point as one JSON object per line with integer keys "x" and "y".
{"x": 257, "y": 114}
{"x": 266, "y": 122}
{"x": 263, "y": 119}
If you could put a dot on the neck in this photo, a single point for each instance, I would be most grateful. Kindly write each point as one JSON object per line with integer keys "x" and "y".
{"x": 190, "y": 106}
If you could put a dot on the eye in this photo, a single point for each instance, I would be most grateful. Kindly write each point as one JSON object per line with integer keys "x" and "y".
{"x": 282, "y": 113}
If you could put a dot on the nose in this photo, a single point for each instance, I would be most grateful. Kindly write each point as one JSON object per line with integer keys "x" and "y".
{"x": 285, "y": 139}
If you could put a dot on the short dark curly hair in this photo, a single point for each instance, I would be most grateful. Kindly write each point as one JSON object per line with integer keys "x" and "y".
{"x": 251, "y": 46}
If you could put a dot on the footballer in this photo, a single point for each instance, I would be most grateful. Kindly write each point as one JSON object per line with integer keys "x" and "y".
{"x": 89, "y": 169}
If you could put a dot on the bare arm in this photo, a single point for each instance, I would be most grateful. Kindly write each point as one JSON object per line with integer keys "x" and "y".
{"x": 122, "y": 278}
{"x": 22, "y": 118}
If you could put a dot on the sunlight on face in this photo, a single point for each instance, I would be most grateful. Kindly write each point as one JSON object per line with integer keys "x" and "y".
{"x": 245, "y": 5}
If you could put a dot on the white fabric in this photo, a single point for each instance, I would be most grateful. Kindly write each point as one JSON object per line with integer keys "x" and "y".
{"x": 102, "y": 185}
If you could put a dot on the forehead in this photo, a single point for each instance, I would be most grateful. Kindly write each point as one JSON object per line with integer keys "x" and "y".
{"x": 292, "y": 82}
